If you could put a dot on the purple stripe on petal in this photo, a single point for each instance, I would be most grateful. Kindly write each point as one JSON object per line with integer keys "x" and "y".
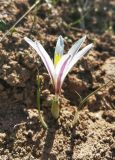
{"x": 48, "y": 68}
{"x": 58, "y": 85}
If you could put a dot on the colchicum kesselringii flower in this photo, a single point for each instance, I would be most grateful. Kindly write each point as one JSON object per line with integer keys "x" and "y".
{"x": 61, "y": 66}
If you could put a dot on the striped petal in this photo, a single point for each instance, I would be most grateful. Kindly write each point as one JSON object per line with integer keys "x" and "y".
{"x": 74, "y": 60}
{"x": 58, "y": 50}
{"x": 59, "y": 71}
{"x": 75, "y": 48}
{"x": 43, "y": 55}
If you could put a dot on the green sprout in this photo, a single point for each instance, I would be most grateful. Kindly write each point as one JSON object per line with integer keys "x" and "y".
{"x": 38, "y": 102}
{"x": 83, "y": 100}
{"x": 2, "y": 25}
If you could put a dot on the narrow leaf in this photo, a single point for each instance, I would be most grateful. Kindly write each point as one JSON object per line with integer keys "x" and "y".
{"x": 92, "y": 93}
{"x": 80, "y": 98}
{"x": 38, "y": 104}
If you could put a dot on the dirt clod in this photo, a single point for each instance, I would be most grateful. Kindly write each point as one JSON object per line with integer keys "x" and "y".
{"x": 22, "y": 137}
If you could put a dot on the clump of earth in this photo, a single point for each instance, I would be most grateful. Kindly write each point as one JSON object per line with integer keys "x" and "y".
{"x": 22, "y": 137}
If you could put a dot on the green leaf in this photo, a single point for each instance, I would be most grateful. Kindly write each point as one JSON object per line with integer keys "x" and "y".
{"x": 38, "y": 104}
{"x": 80, "y": 98}
{"x": 2, "y": 25}
{"x": 92, "y": 93}
{"x": 76, "y": 116}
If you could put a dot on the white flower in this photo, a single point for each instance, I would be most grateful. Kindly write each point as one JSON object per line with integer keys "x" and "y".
{"x": 62, "y": 63}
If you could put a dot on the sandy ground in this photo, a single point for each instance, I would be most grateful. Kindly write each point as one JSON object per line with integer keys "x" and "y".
{"x": 22, "y": 137}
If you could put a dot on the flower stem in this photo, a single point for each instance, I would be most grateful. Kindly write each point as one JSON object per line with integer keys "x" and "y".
{"x": 55, "y": 107}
